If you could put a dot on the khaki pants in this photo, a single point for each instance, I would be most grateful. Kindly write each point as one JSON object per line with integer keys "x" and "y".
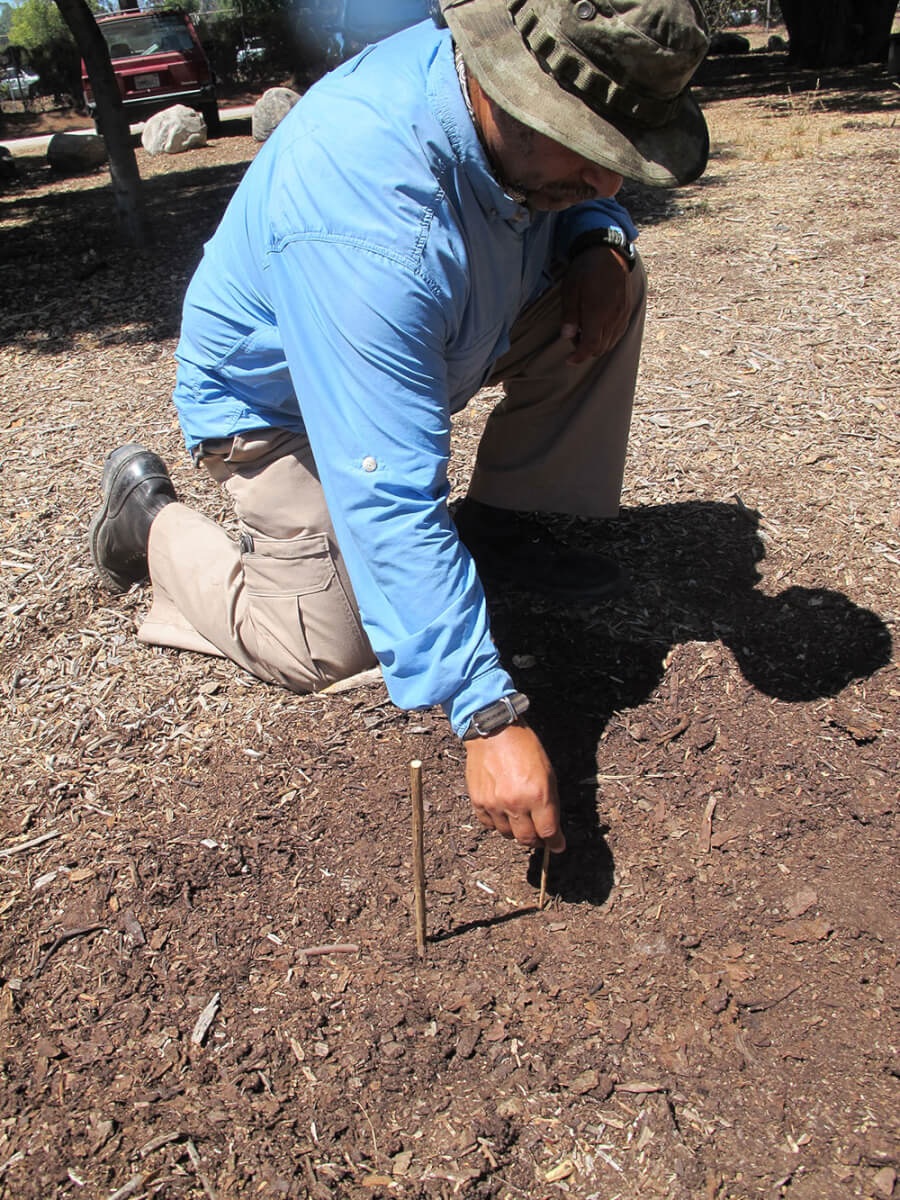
{"x": 278, "y": 601}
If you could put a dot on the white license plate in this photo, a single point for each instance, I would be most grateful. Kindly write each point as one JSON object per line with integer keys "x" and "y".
{"x": 141, "y": 82}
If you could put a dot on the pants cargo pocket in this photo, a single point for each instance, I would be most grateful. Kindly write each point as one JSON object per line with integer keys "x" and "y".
{"x": 307, "y": 632}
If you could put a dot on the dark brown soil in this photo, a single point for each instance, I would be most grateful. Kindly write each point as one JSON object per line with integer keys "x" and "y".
{"x": 707, "y": 1008}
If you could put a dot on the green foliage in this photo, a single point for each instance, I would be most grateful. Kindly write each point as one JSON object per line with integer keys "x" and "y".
{"x": 189, "y": 6}
{"x": 37, "y": 23}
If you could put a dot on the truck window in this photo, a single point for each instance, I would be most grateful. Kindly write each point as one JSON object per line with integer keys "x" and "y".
{"x": 151, "y": 33}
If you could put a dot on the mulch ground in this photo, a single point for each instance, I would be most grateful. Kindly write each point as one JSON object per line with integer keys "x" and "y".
{"x": 209, "y": 979}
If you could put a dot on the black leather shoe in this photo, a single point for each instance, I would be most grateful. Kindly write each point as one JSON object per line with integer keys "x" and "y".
{"x": 136, "y": 486}
{"x": 514, "y": 553}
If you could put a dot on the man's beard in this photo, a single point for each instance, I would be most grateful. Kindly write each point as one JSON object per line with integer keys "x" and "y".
{"x": 561, "y": 193}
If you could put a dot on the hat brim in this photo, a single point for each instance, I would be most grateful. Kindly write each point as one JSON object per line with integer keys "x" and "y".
{"x": 669, "y": 155}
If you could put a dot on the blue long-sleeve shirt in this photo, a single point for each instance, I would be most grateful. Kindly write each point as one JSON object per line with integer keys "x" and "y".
{"x": 363, "y": 280}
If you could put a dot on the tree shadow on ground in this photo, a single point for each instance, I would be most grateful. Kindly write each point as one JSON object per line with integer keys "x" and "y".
{"x": 65, "y": 274}
{"x": 861, "y": 89}
{"x": 693, "y": 568}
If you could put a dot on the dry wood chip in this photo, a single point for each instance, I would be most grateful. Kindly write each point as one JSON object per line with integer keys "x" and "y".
{"x": 706, "y": 824}
{"x": 134, "y": 1184}
{"x": 468, "y": 1040}
{"x": 299, "y": 1053}
{"x": 204, "y": 1021}
{"x": 31, "y": 844}
{"x": 158, "y": 1142}
{"x": 800, "y": 902}
{"x": 132, "y": 927}
{"x": 641, "y": 1089}
{"x": 82, "y": 875}
{"x": 861, "y": 727}
{"x": 722, "y": 837}
{"x": 803, "y": 931}
{"x": 884, "y": 1181}
{"x": 195, "y": 1160}
{"x": 401, "y": 1162}
{"x": 561, "y": 1171}
{"x": 585, "y": 1082}
{"x": 644, "y": 1138}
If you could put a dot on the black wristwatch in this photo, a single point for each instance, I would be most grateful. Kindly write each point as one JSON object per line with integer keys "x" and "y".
{"x": 505, "y": 711}
{"x": 615, "y": 239}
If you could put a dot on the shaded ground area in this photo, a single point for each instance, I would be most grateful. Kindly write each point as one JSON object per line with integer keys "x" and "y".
{"x": 708, "y": 1006}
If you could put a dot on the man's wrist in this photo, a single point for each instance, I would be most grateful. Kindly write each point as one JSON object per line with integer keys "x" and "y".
{"x": 494, "y": 717}
{"x": 609, "y": 238}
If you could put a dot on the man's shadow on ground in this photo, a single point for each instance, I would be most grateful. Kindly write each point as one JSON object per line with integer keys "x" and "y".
{"x": 693, "y": 571}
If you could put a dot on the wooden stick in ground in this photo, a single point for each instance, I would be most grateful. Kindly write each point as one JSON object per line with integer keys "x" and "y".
{"x": 418, "y": 829}
{"x": 545, "y": 866}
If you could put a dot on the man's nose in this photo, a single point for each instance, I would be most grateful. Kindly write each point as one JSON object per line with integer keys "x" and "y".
{"x": 604, "y": 182}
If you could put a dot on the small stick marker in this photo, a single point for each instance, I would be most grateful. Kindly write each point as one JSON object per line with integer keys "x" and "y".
{"x": 418, "y": 828}
{"x": 545, "y": 865}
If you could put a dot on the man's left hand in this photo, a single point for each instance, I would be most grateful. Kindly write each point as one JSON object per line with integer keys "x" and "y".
{"x": 597, "y": 302}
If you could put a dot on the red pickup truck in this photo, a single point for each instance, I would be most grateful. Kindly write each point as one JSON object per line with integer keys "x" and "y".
{"x": 158, "y": 61}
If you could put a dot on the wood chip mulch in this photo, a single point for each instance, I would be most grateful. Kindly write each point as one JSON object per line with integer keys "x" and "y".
{"x": 208, "y": 977}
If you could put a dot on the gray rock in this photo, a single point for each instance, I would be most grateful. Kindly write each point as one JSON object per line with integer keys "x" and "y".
{"x": 271, "y": 108}
{"x": 174, "y": 130}
{"x": 729, "y": 43}
{"x": 7, "y": 164}
{"x": 73, "y": 153}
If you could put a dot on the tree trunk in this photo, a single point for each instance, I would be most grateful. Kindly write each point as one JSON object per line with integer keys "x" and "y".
{"x": 123, "y": 168}
{"x": 838, "y": 33}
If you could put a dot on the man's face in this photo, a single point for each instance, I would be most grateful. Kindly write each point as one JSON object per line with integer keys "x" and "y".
{"x": 545, "y": 174}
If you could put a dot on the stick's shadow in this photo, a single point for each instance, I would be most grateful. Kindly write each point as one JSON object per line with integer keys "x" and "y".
{"x": 484, "y": 923}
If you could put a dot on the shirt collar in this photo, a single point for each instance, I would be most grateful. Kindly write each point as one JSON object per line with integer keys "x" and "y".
{"x": 449, "y": 100}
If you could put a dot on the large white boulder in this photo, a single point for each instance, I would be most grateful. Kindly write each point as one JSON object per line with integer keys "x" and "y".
{"x": 174, "y": 130}
{"x": 272, "y": 106}
{"x": 72, "y": 153}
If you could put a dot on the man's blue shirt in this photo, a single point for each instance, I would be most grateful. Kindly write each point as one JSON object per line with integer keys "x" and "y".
{"x": 364, "y": 278}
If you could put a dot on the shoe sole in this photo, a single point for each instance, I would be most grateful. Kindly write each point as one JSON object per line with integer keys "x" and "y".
{"x": 116, "y": 461}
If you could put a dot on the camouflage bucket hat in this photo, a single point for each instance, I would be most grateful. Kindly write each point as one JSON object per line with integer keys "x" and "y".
{"x": 607, "y": 78}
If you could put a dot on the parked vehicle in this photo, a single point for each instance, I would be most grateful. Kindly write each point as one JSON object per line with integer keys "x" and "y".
{"x": 252, "y": 52}
{"x": 18, "y": 84}
{"x": 158, "y": 61}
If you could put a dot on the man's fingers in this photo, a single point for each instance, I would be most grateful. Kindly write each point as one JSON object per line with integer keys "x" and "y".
{"x": 546, "y": 824}
{"x": 555, "y": 844}
{"x": 571, "y": 314}
{"x": 495, "y": 820}
{"x": 524, "y": 832}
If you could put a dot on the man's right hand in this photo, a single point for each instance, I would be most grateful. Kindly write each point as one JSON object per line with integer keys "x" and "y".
{"x": 513, "y": 787}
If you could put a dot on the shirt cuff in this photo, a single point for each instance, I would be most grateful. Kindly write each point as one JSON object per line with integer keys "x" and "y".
{"x": 475, "y": 694}
{"x": 582, "y": 218}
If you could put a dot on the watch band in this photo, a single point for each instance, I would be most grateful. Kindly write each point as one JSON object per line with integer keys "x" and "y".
{"x": 615, "y": 239}
{"x": 503, "y": 712}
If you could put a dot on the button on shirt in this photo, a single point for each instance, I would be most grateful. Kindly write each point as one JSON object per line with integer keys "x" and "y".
{"x": 363, "y": 280}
